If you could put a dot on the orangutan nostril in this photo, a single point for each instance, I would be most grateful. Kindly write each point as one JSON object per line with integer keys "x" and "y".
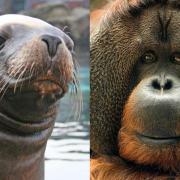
{"x": 168, "y": 85}
{"x": 156, "y": 85}
{"x": 165, "y": 85}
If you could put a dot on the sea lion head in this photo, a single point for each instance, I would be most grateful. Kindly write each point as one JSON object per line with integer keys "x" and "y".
{"x": 36, "y": 66}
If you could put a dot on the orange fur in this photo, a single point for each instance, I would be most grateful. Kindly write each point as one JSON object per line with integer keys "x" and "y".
{"x": 112, "y": 168}
{"x": 95, "y": 17}
{"x": 99, "y": 16}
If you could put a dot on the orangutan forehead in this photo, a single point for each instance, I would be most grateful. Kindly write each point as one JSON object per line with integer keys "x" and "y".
{"x": 152, "y": 2}
{"x": 137, "y": 6}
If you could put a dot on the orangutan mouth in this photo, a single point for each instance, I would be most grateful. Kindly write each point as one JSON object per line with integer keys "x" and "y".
{"x": 159, "y": 140}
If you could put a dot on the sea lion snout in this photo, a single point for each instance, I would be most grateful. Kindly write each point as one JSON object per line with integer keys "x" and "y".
{"x": 36, "y": 67}
{"x": 34, "y": 50}
{"x": 53, "y": 42}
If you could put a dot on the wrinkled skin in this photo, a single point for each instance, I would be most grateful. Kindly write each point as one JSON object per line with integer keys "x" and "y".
{"x": 36, "y": 66}
{"x": 135, "y": 92}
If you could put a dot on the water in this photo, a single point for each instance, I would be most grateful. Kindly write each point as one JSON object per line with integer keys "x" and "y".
{"x": 67, "y": 153}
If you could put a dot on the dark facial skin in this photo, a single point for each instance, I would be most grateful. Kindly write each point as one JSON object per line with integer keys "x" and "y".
{"x": 157, "y": 74}
{"x": 152, "y": 112}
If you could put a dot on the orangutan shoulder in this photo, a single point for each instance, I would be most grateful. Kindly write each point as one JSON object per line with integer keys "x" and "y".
{"x": 114, "y": 168}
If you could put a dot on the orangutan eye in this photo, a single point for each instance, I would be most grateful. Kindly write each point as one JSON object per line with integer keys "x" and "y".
{"x": 149, "y": 57}
{"x": 2, "y": 42}
{"x": 175, "y": 58}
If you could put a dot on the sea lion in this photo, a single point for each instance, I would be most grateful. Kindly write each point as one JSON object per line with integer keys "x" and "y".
{"x": 36, "y": 67}
{"x": 135, "y": 91}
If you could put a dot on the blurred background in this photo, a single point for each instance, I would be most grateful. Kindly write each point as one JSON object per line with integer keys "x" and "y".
{"x": 96, "y": 4}
{"x": 67, "y": 153}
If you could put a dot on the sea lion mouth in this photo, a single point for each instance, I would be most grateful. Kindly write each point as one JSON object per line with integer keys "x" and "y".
{"x": 50, "y": 85}
{"x": 40, "y": 95}
{"x": 28, "y": 102}
{"x": 45, "y": 86}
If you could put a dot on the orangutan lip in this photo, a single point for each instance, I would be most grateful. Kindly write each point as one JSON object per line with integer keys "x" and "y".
{"x": 158, "y": 140}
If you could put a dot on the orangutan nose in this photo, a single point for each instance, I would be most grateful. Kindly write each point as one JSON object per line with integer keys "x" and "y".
{"x": 162, "y": 84}
{"x": 52, "y": 43}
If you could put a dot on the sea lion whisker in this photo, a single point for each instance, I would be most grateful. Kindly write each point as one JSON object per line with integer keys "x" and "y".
{"x": 2, "y": 82}
{"x": 20, "y": 77}
{"x": 16, "y": 70}
{"x": 80, "y": 104}
{"x": 75, "y": 95}
{"x": 24, "y": 67}
{"x": 78, "y": 99}
{"x": 79, "y": 108}
{"x": 75, "y": 62}
{"x": 31, "y": 75}
{"x": 21, "y": 84}
{"x": 13, "y": 72}
{"x": 34, "y": 73}
{"x": 31, "y": 69}
{"x": 42, "y": 70}
{"x": 76, "y": 83}
{"x": 5, "y": 89}
{"x": 66, "y": 28}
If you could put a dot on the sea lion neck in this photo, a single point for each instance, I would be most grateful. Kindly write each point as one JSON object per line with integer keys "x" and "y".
{"x": 22, "y": 155}
{"x": 16, "y": 164}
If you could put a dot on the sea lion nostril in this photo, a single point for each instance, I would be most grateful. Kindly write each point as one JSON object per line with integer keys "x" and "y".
{"x": 52, "y": 43}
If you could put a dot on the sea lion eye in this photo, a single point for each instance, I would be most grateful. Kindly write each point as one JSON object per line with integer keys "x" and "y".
{"x": 70, "y": 46}
{"x": 149, "y": 57}
{"x": 2, "y": 41}
{"x": 175, "y": 58}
